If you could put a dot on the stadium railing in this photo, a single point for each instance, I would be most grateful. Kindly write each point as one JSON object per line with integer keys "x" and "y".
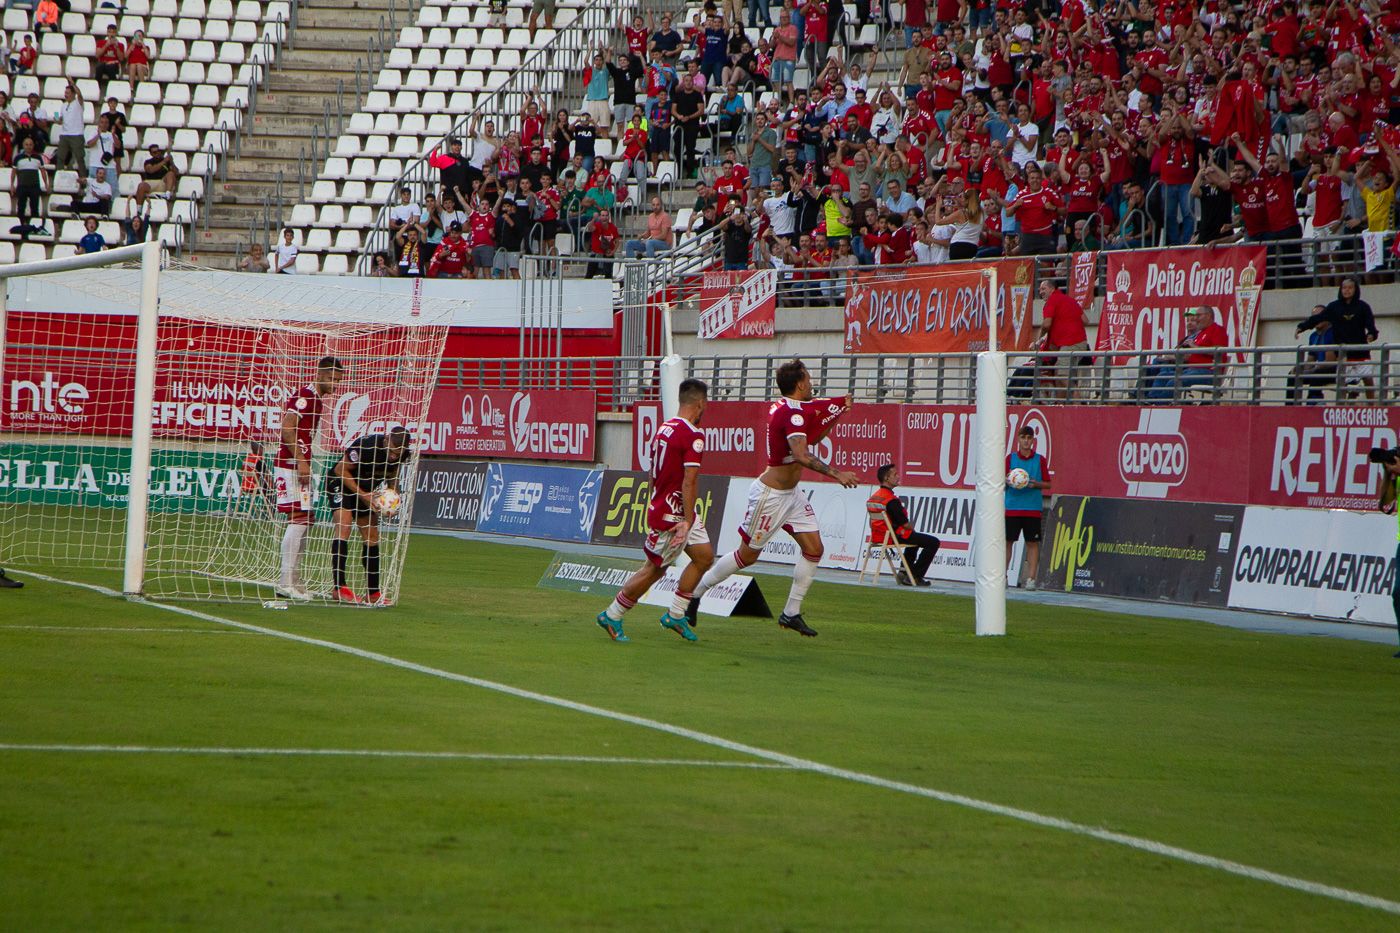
{"x": 1235, "y": 376}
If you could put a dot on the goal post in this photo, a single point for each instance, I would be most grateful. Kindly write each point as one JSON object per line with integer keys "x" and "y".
{"x": 141, "y": 416}
{"x": 989, "y": 560}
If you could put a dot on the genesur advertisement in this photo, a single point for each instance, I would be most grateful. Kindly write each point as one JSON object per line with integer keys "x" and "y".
{"x": 738, "y": 305}
{"x": 942, "y": 311}
{"x": 1150, "y": 291}
{"x": 534, "y": 424}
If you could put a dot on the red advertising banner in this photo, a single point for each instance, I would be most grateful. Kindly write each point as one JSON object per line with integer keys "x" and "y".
{"x": 1150, "y": 291}
{"x": 535, "y": 424}
{"x": 1082, "y": 278}
{"x": 1302, "y": 457}
{"x": 738, "y": 305}
{"x": 866, "y": 438}
{"x": 938, "y": 310}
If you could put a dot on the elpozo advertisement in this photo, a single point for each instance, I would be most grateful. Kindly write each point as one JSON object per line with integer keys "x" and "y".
{"x": 557, "y": 503}
{"x": 1329, "y": 564}
{"x": 1166, "y": 551}
{"x": 622, "y": 508}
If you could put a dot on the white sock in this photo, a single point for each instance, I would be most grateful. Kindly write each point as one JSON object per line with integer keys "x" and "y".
{"x": 292, "y": 540}
{"x": 720, "y": 571}
{"x": 680, "y": 604}
{"x": 618, "y": 607}
{"x": 802, "y": 576}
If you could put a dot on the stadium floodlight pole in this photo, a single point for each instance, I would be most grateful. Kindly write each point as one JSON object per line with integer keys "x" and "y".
{"x": 989, "y": 558}
{"x": 148, "y": 254}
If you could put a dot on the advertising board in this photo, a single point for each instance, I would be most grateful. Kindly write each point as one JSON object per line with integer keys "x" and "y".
{"x": 556, "y": 503}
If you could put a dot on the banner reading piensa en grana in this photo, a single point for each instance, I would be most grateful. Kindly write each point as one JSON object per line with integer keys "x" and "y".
{"x": 939, "y": 309}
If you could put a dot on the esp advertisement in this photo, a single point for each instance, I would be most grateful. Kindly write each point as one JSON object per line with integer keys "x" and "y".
{"x": 1171, "y": 552}
{"x": 622, "y": 508}
{"x": 556, "y": 503}
{"x": 1330, "y": 564}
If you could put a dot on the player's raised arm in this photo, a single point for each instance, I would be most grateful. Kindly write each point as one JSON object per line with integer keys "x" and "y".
{"x": 803, "y": 455}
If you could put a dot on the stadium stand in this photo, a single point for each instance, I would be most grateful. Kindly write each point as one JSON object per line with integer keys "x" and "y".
{"x": 193, "y": 69}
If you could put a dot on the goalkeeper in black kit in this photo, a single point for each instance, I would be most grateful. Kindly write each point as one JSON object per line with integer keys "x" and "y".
{"x": 362, "y": 486}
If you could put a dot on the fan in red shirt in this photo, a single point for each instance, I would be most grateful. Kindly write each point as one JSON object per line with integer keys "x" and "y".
{"x": 1062, "y": 328}
{"x": 1036, "y": 209}
{"x": 1163, "y": 378}
{"x": 1082, "y": 190}
{"x": 452, "y": 255}
{"x": 729, "y": 187}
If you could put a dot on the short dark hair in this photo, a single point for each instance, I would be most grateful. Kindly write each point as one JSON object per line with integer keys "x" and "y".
{"x": 789, "y": 375}
{"x": 693, "y": 390}
{"x": 884, "y": 472}
{"x": 330, "y": 362}
{"x": 398, "y": 435}
{"x": 1026, "y": 431}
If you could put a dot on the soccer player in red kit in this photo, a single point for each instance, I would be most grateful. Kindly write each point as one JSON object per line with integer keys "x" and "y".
{"x": 292, "y": 468}
{"x": 796, "y": 423}
{"x": 672, "y": 524}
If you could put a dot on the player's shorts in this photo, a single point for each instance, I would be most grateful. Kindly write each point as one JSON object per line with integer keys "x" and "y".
{"x": 662, "y": 548}
{"x": 1016, "y": 524}
{"x": 771, "y": 510}
{"x": 338, "y": 497}
{"x": 289, "y": 491}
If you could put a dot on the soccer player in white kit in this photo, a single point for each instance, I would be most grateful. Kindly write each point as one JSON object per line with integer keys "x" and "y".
{"x": 672, "y": 523}
{"x": 795, "y": 425}
{"x": 291, "y": 473}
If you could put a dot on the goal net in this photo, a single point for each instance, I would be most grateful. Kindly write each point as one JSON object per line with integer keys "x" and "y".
{"x": 142, "y": 438}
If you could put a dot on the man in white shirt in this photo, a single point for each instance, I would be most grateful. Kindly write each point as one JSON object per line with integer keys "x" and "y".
{"x": 1024, "y": 137}
{"x": 485, "y": 142}
{"x": 286, "y": 255}
{"x": 782, "y": 218}
{"x": 404, "y": 212}
{"x": 72, "y": 134}
{"x": 97, "y": 195}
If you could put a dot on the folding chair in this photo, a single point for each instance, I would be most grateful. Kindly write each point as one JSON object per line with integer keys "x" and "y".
{"x": 887, "y": 548}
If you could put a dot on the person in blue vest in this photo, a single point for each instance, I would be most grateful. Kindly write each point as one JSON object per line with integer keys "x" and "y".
{"x": 1024, "y": 507}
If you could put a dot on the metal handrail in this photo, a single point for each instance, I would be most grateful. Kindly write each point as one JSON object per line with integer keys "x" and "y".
{"x": 1265, "y": 376}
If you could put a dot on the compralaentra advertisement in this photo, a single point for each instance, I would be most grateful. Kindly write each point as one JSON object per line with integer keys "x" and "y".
{"x": 448, "y": 494}
{"x": 622, "y": 508}
{"x": 1168, "y": 551}
{"x": 532, "y": 424}
{"x": 1329, "y": 564}
{"x": 558, "y": 503}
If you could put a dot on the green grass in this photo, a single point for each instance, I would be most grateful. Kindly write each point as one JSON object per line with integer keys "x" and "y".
{"x": 1274, "y": 751}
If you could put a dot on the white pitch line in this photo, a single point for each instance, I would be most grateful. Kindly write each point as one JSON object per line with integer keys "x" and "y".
{"x": 1026, "y": 816}
{"x": 387, "y": 753}
{"x": 118, "y": 628}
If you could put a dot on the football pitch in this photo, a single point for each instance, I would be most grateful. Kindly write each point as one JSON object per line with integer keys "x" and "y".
{"x": 482, "y": 757}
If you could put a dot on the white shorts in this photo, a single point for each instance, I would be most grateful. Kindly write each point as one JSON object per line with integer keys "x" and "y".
{"x": 662, "y": 548}
{"x": 771, "y": 510}
{"x": 291, "y": 496}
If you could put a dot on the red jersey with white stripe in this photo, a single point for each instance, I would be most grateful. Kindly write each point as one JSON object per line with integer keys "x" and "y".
{"x": 305, "y": 408}
{"x": 787, "y": 417}
{"x": 678, "y": 444}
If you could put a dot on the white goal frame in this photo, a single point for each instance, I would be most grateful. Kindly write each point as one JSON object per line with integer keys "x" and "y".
{"x": 149, "y": 255}
{"x": 989, "y": 559}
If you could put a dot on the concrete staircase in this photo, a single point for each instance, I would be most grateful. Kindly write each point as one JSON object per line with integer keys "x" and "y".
{"x": 330, "y": 37}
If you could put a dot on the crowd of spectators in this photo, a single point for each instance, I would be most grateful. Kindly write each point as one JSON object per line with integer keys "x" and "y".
{"x": 39, "y": 139}
{"x": 1021, "y": 128}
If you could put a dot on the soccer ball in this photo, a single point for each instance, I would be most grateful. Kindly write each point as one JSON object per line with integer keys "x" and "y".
{"x": 386, "y": 500}
{"x": 1018, "y": 479}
